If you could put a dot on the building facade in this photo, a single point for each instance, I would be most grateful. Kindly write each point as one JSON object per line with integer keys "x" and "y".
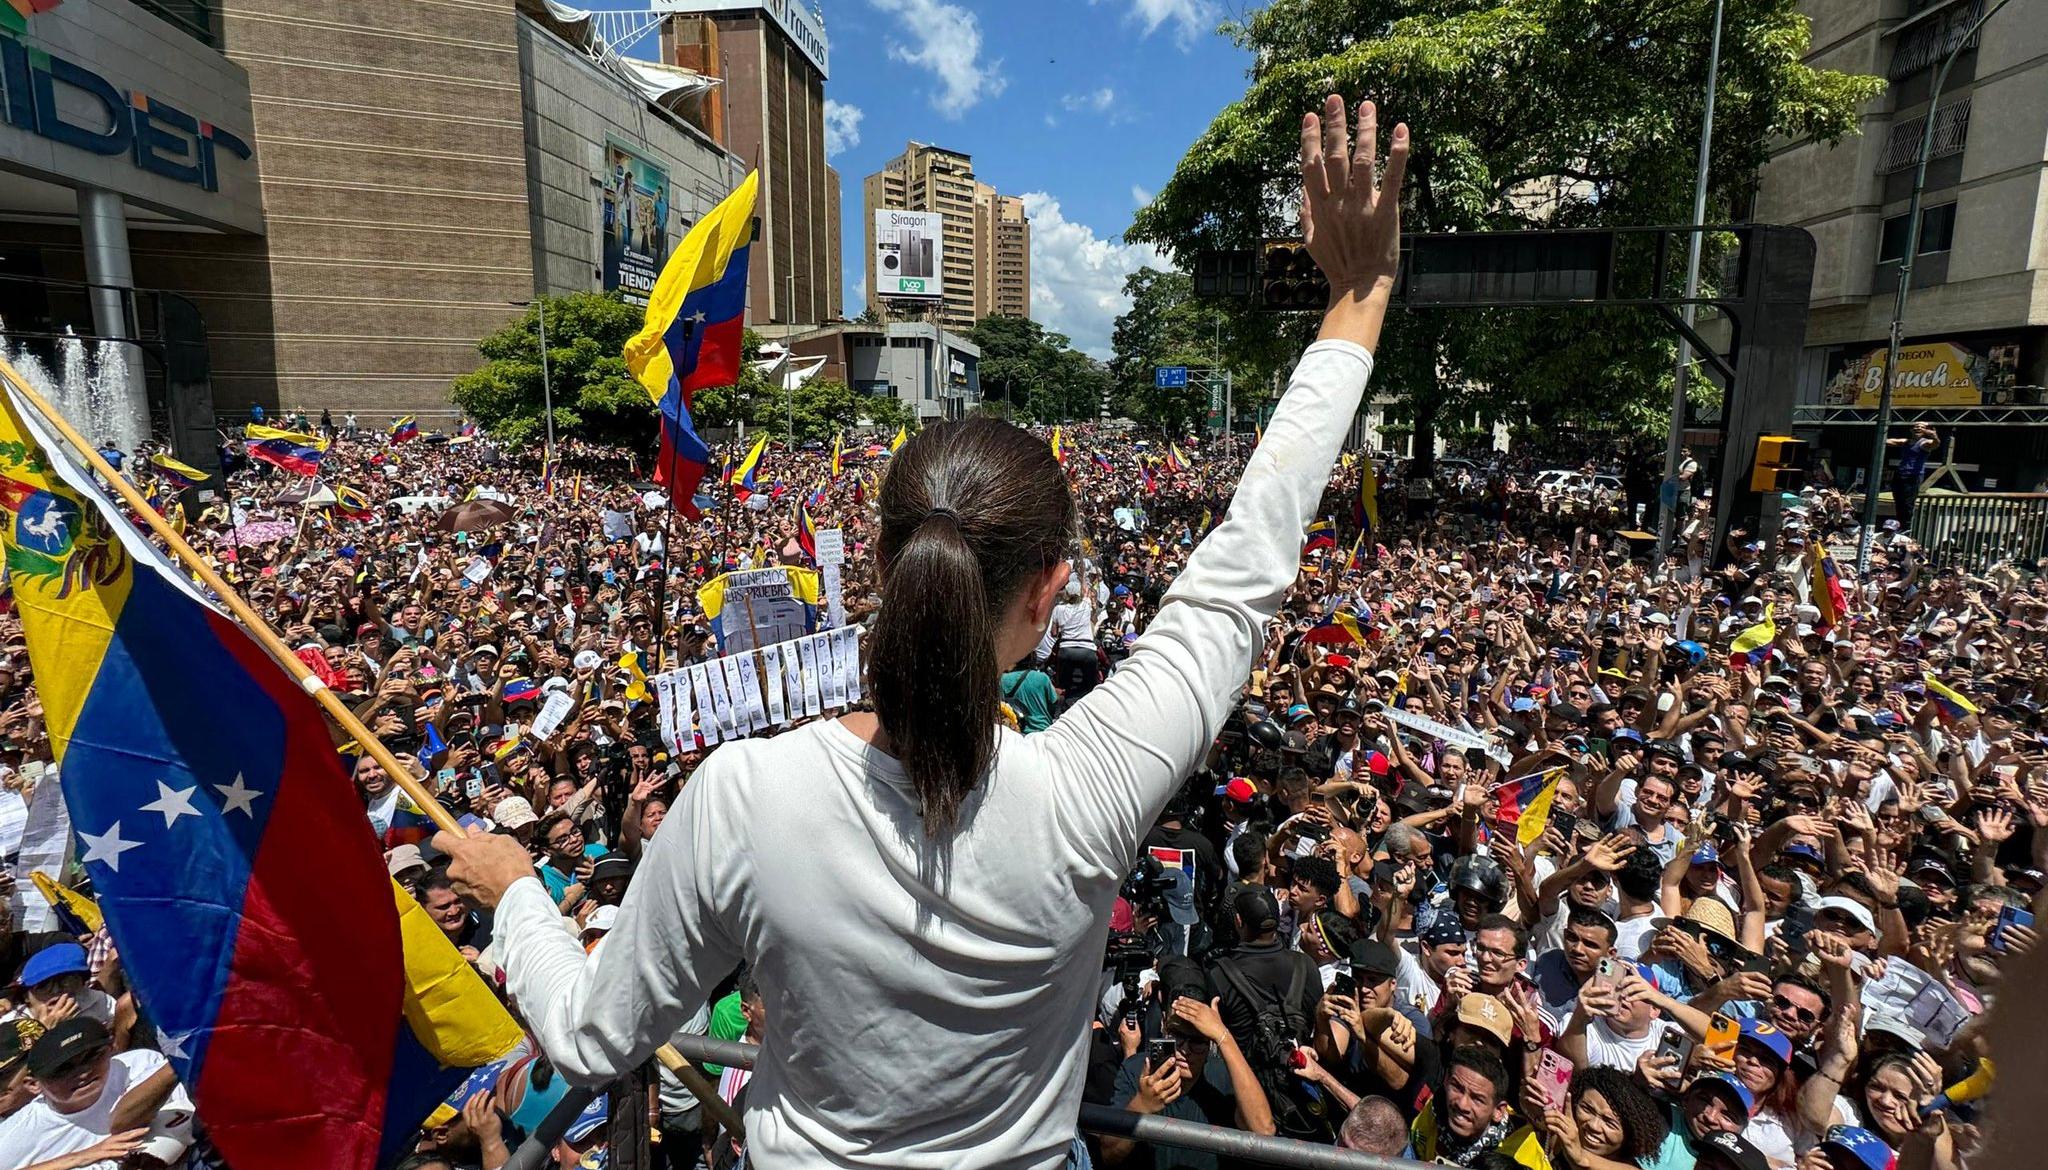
{"x": 1002, "y": 245}
{"x": 898, "y": 360}
{"x": 772, "y": 59}
{"x": 1976, "y": 321}
{"x": 933, "y": 179}
{"x": 331, "y": 214}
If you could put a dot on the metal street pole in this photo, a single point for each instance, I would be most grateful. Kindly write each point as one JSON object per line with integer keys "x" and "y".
{"x": 1873, "y": 480}
{"x": 789, "y": 391}
{"x": 547, "y": 390}
{"x": 1667, "y": 496}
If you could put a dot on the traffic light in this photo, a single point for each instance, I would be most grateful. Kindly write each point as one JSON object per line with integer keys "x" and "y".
{"x": 1289, "y": 280}
{"x": 1780, "y": 464}
{"x": 1225, "y": 272}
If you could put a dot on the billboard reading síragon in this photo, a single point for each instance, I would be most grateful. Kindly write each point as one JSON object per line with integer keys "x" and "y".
{"x": 635, "y": 222}
{"x": 909, "y": 254}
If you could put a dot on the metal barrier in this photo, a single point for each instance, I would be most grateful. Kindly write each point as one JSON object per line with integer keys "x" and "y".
{"x": 1974, "y": 530}
{"x": 1121, "y": 1123}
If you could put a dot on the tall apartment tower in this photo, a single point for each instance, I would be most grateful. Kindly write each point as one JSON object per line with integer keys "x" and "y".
{"x": 1002, "y": 238}
{"x": 931, "y": 178}
{"x": 773, "y": 59}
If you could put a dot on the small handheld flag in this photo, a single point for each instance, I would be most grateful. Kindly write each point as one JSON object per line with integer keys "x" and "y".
{"x": 405, "y": 430}
{"x": 1059, "y": 447}
{"x": 1525, "y": 803}
{"x": 1340, "y": 628}
{"x": 1828, "y": 597}
{"x": 838, "y": 447}
{"x": 743, "y": 484}
{"x": 1322, "y": 534}
{"x": 1753, "y": 645}
{"x": 1950, "y": 704}
{"x": 179, "y": 475}
{"x": 902, "y": 436}
{"x": 806, "y": 531}
{"x": 1368, "y": 494}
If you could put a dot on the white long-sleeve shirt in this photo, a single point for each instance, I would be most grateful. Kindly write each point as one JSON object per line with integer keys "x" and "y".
{"x": 928, "y": 1003}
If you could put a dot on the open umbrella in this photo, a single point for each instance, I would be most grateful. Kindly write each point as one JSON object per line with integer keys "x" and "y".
{"x": 474, "y": 516}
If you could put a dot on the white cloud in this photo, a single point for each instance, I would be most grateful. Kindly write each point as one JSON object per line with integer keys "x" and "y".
{"x": 1077, "y": 277}
{"x": 1139, "y": 195}
{"x": 1100, "y": 101}
{"x": 1190, "y": 18}
{"x": 945, "y": 39}
{"x": 842, "y": 127}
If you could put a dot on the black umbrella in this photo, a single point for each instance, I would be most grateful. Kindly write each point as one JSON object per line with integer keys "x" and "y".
{"x": 474, "y": 516}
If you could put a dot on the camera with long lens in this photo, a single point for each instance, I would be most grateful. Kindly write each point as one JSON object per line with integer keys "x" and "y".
{"x": 1129, "y": 956}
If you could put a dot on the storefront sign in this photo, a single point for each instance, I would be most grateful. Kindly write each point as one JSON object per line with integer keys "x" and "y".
{"x": 157, "y": 136}
{"x": 1939, "y": 373}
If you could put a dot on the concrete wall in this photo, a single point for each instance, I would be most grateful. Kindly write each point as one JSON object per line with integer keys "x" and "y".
{"x": 136, "y": 51}
{"x": 572, "y": 108}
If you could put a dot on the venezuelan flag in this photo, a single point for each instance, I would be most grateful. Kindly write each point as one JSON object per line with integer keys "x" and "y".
{"x": 806, "y": 532}
{"x": 297, "y": 458}
{"x": 1368, "y": 494}
{"x": 803, "y": 586}
{"x": 229, "y": 853}
{"x": 76, "y": 913}
{"x": 1351, "y": 559}
{"x": 1059, "y": 447}
{"x": 1828, "y": 597}
{"x": 260, "y": 432}
{"x": 1101, "y": 462}
{"x": 1525, "y": 803}
{"x": 547, "y": 478}
{"x": 405, "y": 430}
{"x": 576, "y": 490}
{"x": 837, "y": 448}
{"x": 1322, "y": 534}
{"x": 1151, "y": 484}
{"x": 743, "y": 484}
{"x": 179, "y": 475}
{"x": 1172, "y": 462}
{"x": 1341, "y": 628}
{"x": 353, "y": 503}
{"x": 902, "y": 437}
{"x": 692, "y": 335}
{"x": 1753, "y": 645}
{"x": 1949, "y": 704}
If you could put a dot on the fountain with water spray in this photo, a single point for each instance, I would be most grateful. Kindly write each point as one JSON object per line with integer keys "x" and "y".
{"x": 90, "y": 386}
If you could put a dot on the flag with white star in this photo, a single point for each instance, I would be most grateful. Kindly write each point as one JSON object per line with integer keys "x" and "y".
{"x": 229, "y": 853}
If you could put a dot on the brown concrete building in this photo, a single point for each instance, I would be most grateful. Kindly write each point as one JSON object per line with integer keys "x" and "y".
{"x": 934, "y": 179}
{"x": 1002, "y": 246}
{"x": 773, "y": 59}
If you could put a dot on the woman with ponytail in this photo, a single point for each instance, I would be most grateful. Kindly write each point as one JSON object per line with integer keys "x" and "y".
{"x": 923, "y": 896}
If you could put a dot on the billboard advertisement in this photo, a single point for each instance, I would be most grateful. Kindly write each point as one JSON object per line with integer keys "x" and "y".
{"x": 635, "y": 222}
{"x": 909, "y": 250}
{"x": 1941, "y": 373}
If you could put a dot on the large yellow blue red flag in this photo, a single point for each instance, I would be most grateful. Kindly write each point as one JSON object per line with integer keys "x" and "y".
{"x": 1059, "y": 447}
{"x": 742, "y": 477}
{"x": 228, "y": 850}
{"x": 1753, "y": 645}
{"x": 1828, "y": 597}
{"x": 693, "y": 333}
{"x": 1949, "y": 703}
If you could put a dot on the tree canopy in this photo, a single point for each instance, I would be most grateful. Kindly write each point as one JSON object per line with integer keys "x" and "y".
{"x": 1526, "y": 113}
{"x": 1033, "y": 374}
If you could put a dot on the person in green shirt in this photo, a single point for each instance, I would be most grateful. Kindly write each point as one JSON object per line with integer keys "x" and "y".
{"x": 1031, "y": 697}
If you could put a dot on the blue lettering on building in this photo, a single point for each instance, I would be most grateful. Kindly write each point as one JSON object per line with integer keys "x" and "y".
{"x": 158, "y": 137}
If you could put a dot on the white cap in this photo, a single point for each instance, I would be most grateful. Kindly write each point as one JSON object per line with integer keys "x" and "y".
{"x": 1658, "y": 619}
{"x": 588, "y": 660}
{"x": 1849, "y": 906}
{"x": 601, "y": 920}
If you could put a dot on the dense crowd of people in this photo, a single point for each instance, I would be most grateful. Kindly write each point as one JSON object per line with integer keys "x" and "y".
{"x": 1512, "y": 849}
{"x": 1767, "y": 905}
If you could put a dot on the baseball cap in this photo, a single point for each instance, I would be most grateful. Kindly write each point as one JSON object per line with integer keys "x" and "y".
{"x": 611, "y": 866}
{"x": 17, "y": 1036}
{"x": 1706, "y": 854}
{"x": 1258, "y": 910}
{"x": 403, "y": 858}
{"x": 601, "y": 919}
{"x": 1865, "y": 1147}
{"x": 1849, "y": 907}
{"x": 65, "y": 1045}
{"x": 1487, "y": 1013}
{"x": 1768, "y": 1036}
{"x": 514, "y": 812}
{"x": 1371, "y": 957}
{"x": 51, "y": 962}
{"x": 1240, "y": 789}
{"x": 1726, "y": 1083}
{"x": 1729, "y": 1149}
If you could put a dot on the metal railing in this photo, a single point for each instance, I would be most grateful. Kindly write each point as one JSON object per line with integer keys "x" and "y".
{"x": 1138, "y": 1127}
{"x": 1974, "y": 530}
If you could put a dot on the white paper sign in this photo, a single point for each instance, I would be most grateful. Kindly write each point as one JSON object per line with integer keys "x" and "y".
{"x": 750, "y": 683}
{"x": 686, "y": 737}
{"x": 553, "y": 713}
{"x": 835, "y": 595}
{"x": 771, "y": 662}
{"x": 793, "y": 679}
{"x": 665, "y": 707}
{"x": 807, "y": 650}
{"x": 1910, "y": 994}
{"x": 707, "y": 716}
{"x": 721, "y": 700}
{"x": 849, "y": 637}
{"x": 737, "y": 715}
{"x": 831, "y": 676}
{"x": 45, "y": 841}
{"x": 617, "y": 525}
{"x": 477, "y": 571}
{"x": 1456, "y": 737}
{"x": 831, "y": 543}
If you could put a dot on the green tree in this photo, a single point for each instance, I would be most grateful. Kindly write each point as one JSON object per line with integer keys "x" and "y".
{"x": 1168, "y": 326}
{"x": 822, "y": 408}
{"x": 1526, "y": 113}
{"x": 1014, "y": 361}
{"x": 596, "y": 397}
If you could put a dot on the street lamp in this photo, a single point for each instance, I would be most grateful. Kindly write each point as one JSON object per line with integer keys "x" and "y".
{"x": 1667, "y": 512}
{"x": 547, "y": 390}
{"x": 1874, "y": 478}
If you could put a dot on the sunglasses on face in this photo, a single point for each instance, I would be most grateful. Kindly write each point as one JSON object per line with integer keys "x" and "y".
{"x": 1786, "y": 1007}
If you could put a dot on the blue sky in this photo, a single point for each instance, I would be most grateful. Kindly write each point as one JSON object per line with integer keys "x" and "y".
{"x": 1081, "y": 106}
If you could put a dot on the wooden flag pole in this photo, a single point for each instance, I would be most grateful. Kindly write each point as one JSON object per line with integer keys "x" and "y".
{"x": 310, "y": 682}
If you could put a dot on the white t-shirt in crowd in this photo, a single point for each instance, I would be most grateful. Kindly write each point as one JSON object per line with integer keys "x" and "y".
{"x": 40, "y": 1134}
{"x": 1412, "y": 984}
{"x": 1607, "y": 1048}
{"x": 1633, "y": 935}
{"x": 965, "y": 967}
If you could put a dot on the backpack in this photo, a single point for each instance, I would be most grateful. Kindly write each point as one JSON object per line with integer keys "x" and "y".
{"x": 1299, "y": 1110}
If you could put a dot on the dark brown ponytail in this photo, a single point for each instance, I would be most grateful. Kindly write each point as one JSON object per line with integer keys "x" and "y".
{"x": 972, "y": 512}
